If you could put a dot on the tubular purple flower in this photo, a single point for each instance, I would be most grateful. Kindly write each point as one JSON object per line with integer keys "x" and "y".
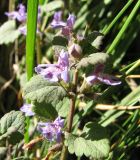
{"x": 52, "y": 130}
{"x": 71, "y": 21}
{"x": 20, "y": 15}
{"x": 39, "y": 14}
{"x": 23, "y": 30}
{"x": 57, "y": 20}
{"x": 55, "y": 72}
{"x": 27, "y": 109}
{"x": 98, "y": 76}
{"x": 65, "y": 26}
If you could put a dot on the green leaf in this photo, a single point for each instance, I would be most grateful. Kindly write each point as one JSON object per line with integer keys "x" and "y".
{"x": 12, "y": 124}
{"x": 41, "y": 90}
{"x": 96, "y": 39}
{"x": 8, "y": 32}
{"x": 51, "y": 6}
{"x": 87, "y": 48}
{"x": 93, "y": 59}
{"x": 44, "y": 110}
{"x": 62, "y": 107}
{"x": 69, "y": 141}
{"x": 92, "y": 143}
{"x": 12, "y": 119}
{"x": 60, "y": 41}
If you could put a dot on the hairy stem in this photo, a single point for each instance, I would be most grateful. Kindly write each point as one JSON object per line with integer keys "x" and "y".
{"x": 71, "y": 113}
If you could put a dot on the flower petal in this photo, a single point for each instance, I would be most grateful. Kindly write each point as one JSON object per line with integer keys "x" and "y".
{"x": 91, "y": 79}
{"x": 71, "y": 21}
{"x": 108, "y": 79}
{"x": 26, "y": 108}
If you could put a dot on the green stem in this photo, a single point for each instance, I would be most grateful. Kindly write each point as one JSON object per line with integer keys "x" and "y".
{"x": 117, "y": 17}
{"x": 71, "y": 114}
{"x": 32, "y": 12}
{"x": 123, "y": 29}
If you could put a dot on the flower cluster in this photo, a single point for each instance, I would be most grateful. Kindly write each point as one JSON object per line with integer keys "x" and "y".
{"x": 21, "y": 16}
{"x": 55, "y": 72}
{"x": 65, "y": 26}
{"x": 52, "y": 130}
{"x": 60, "y": 71}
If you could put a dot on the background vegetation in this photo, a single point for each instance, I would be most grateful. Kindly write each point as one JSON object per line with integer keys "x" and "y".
{"x": 118, "y": 107}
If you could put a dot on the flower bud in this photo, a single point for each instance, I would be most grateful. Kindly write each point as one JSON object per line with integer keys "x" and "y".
{"x": 75, "y": 50}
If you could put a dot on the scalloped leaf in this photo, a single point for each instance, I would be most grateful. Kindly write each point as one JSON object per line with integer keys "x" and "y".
{"x": 60, "y": 41}
{"x": 93, "y": 59}
{"x": 44, "y": 110}
{"x": 53, "y": 5}
{"x": 62, "y": 107}
{"x": 92, "y": 143}
{"x": 12, "y": 125}
{"x": 41, "y": 90}
{"x": 8, "y": 32}
{"x": 87, "y": 47}
{"x": 96, "y": 39}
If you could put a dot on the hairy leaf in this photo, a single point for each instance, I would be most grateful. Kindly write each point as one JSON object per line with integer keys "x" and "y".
{"x": 41, "y": 90}
{"x": 62, "y": 107}
{"x": 92, "y": 143}
{"x": 12, "y": 125}
{"x": 96, "y": 39}
{"x": 8, "y": 28}
{"x": 87, "y": 47}
{"x": 53, "y": 5}
{"x": 45, "y": 110}
{"x": 93, "y": 59}
{"x": 60, "y": 41}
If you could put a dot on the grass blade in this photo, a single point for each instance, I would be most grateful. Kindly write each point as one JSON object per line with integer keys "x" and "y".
{"x": 123, "y": 29}
{"x": 32, "y": 12}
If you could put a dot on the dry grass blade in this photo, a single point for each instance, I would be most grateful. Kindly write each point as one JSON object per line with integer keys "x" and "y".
{"x": 111, "y": 107}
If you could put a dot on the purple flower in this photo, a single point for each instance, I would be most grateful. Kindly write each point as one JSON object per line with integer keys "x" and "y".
{"x": 52, "y": 130}
{"x": 39, "y": 14}
{"x": 27, "y": 109}
{"x": 71, "y": 21}
{"x": 23, "y": 30}
{"x": 20, "y": 15}
{"x": 98, "y": 76}
{"x": 57, "y": 20}
{"x": 66, "y": 26}
{"x": 55, "y": 72}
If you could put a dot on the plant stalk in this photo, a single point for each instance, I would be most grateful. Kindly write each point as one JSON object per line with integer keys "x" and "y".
{"x": 71, "y": 114}
{"x": 32, "y": 12}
